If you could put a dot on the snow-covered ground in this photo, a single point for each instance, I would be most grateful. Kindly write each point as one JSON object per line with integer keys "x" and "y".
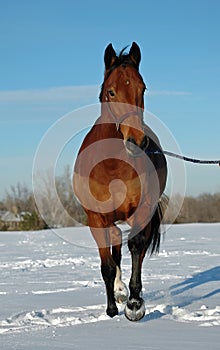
{"x": 53, "y": 297}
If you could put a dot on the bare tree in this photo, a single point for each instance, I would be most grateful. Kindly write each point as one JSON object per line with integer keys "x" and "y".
{"x": 56, "y": 201}
{"x": 19, "y": 199}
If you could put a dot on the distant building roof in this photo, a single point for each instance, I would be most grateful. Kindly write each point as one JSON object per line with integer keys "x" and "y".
{"x": 7, "y": 216}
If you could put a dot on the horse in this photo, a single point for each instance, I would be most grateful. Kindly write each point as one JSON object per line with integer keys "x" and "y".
{"x": 117, "y": 180}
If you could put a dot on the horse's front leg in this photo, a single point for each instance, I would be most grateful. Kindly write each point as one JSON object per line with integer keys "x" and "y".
{"x": 135, "y": 308}
{"x": 120, "y": 288}
{"x": 108, "y": 267}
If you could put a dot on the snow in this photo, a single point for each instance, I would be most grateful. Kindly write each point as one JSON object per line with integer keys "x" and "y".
{"x": 53, "y": 297}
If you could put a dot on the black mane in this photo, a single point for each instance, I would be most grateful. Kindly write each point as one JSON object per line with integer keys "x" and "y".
{"x": 123, "y": 59}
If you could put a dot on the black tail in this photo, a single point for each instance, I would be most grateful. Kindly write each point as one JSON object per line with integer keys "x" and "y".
{"x": 154, "y": 239}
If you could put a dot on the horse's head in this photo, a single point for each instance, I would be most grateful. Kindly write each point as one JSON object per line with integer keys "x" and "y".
{"x": 122, "y": 95}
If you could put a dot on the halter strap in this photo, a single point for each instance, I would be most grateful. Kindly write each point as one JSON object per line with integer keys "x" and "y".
{"x": 119, "y": 120}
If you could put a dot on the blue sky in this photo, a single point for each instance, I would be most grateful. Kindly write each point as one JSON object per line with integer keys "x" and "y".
{"x": 52, "y": 62}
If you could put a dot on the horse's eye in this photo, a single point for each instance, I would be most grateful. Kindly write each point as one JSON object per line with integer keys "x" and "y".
{"x": 111, "y": 93}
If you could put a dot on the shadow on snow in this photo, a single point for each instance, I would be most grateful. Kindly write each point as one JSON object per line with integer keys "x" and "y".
{"x": 211, "y": 275}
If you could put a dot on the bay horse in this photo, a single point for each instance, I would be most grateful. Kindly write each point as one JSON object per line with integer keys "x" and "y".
{"x": 115, "y": 179}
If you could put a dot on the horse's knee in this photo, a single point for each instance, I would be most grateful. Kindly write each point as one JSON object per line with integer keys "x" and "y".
{"x": 115, "y": 236}
{"x": 137, "y": 242}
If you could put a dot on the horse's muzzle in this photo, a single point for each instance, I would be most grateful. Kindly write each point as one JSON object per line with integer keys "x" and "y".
{"x": 133, "y": 148}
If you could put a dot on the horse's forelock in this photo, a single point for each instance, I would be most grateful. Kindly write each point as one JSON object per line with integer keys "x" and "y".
{"x": 123, "y": 59}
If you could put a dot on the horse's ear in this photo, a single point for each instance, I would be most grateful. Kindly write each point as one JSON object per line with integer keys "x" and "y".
{"x": 109, "y": 57}
{"x": 135, "y": 54}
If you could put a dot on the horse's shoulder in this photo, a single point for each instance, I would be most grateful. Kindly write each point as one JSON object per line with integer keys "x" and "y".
{"x": 92, "y": 136}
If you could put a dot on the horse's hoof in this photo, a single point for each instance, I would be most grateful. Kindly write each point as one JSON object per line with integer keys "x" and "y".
{"x": 121, "y": 295}
{"x": 113, "y": 311}
{"x": 135, "y": 309}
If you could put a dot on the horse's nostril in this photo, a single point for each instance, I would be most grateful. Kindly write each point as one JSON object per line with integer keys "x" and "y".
{"x": 132, "y": 147}
{"x": 131, "y": 140}
{"x": 144, "y": 143}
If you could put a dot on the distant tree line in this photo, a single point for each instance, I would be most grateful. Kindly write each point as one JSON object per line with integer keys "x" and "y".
{"x": 203, "y": 208}
{"x": 19, "y": 199}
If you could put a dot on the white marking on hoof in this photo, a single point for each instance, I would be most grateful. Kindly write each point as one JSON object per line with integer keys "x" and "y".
{"x": 120, "y": 289}
{"x": 135, "y": 310}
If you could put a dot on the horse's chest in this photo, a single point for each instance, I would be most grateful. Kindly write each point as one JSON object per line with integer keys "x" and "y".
{"x": 112, "y": 186}
{"x": 117, "y": 194}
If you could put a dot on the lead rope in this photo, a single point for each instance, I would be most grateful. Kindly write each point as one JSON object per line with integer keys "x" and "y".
{"x": 186, "y": 159}
{"x": 170, "y": 154}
